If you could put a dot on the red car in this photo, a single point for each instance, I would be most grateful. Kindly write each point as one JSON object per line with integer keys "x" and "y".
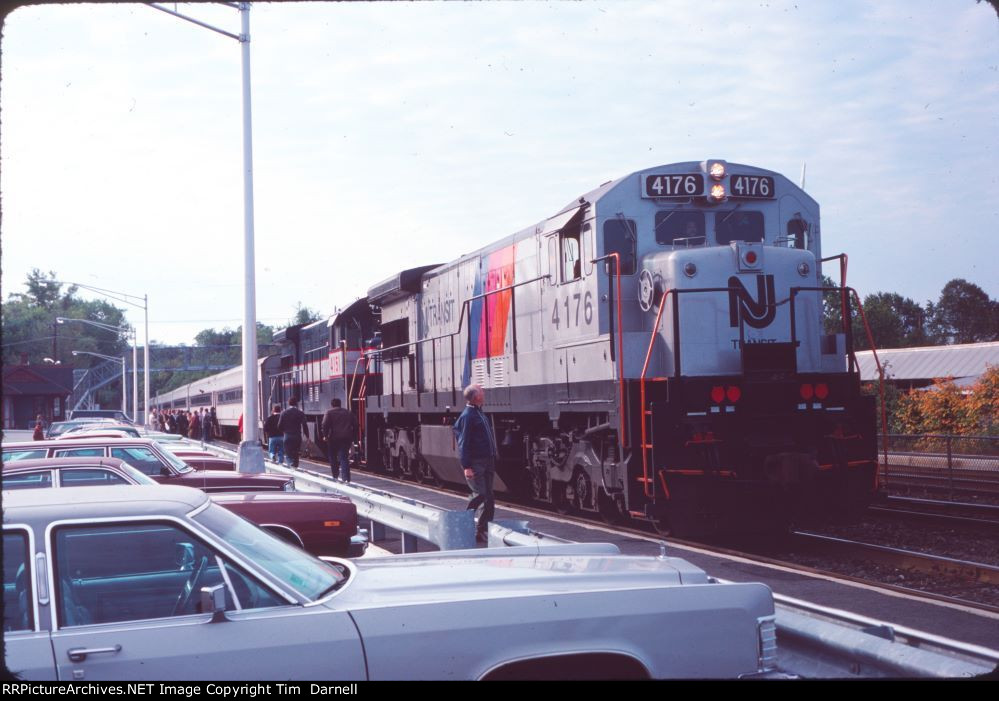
{"x": 200, "y": 459}
{"x": 150, "y": 458}
{"x": 321, "y": 524}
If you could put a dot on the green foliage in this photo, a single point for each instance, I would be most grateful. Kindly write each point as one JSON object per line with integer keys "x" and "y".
{"x": 895, "y": 322}
{"x": 304, "y": 315}
{"x": 963, "y": 314}
{"x": 29, "y": 324}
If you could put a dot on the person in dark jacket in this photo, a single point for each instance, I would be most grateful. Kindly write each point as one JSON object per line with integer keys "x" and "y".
{"x": 209, "y": 426}
{"x": 39, "y": 432}
{"x": 182, "y": 423}
{"x": 293, "y": 424}
{"x": 339, "y": 428}
{"x": 275, "y": 439}
{"x": 477, "y": 452}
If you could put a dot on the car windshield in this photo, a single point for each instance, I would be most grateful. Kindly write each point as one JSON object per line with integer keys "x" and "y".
{"x": 177, "y": 463}
{"x": 309, "y": 576}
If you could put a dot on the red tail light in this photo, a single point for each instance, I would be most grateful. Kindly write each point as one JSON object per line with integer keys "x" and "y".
{"x": 717, "y": 394}
{"x": 733, "y": 393}
{"x": 821, "y": 390}
{"x": 806, "y": 392}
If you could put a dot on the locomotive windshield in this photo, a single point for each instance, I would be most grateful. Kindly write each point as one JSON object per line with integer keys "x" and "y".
{"x": 738, "y": 226}
{"x": 676, "y": 227}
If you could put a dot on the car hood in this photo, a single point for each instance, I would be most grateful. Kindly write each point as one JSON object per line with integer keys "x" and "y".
{"x": 500, "y": 572}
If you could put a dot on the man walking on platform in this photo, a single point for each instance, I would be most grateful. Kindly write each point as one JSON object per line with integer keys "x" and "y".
{"x": 339, "y": 428}
{"x": 477, "y": 452}
{"x": 275, "y": 439}
{"x": 293, "y": 424}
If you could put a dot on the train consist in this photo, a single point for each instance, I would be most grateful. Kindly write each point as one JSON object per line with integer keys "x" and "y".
{"x": 655, "y": 349}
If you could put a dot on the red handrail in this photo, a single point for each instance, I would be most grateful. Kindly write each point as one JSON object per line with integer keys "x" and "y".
{"x": 641, "y": 390}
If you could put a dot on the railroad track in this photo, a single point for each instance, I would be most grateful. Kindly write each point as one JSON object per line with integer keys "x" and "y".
{"x": 949, "y": 514}
{"x": 840, "y": 555}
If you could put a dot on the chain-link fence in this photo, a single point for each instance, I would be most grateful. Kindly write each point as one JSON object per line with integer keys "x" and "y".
{"x": 957, "y": 464}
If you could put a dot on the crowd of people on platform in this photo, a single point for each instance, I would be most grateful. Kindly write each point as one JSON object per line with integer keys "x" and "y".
{"x": 199, "y": 424}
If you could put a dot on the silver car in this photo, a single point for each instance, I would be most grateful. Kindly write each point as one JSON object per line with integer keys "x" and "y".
{"x": 158, "y": 582}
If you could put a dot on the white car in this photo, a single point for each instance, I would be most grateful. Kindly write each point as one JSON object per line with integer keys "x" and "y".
{"x": 142, "y": 582}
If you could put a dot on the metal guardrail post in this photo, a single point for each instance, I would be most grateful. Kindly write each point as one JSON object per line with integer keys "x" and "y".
{"x": 950, "y": 468}
{"x": 409, "y": 543}
{"x": 377, "y": 531}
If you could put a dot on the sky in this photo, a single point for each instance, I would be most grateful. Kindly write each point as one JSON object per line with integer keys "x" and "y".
{"x": 392, "y": 135}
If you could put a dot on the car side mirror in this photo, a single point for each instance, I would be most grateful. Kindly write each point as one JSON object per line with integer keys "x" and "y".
{"x": 213, "y": 599}
{"x": 165, "y": 471}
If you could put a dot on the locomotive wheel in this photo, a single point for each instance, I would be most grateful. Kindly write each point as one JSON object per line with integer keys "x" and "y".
{"x": 425, "y": 473}
{"x": 560, "y": 497}
{"x": 581, "y": 493}
{"x": 405, "y": 466}
{"x": 386, "y": 460}
{"x": 611, "y": 508}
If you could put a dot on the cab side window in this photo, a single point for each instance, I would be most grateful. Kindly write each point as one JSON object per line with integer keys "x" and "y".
{"x": 572, "y": 268}
{"x": 17, "y": 597}
{"x": 621, "y": 237}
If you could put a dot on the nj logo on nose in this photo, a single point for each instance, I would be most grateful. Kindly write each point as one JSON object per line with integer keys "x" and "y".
{"x": 759, "y": 312}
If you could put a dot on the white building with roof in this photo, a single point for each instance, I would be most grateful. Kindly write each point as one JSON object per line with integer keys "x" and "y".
{"x": 918, "y": 367}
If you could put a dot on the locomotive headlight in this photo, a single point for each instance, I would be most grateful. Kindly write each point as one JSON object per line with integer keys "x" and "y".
{"x": 804, "y": 269}
{"x": 689, "y": 269}
{"x": 717, "y": 171}
{"x": 718, "y": 192}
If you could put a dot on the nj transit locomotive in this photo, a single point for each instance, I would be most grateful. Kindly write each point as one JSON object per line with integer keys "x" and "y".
{"x": 654, "y": 349}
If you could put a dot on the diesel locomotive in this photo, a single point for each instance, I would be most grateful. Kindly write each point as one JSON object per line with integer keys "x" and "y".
{"x": 655, "y": 349}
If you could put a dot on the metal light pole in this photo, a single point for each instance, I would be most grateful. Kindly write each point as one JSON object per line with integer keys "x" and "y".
{"x": 124, "y": 380}
{"x": 135, "y": 359}
{"x": 251, "y": 458}
{"x": 127, "y": 299}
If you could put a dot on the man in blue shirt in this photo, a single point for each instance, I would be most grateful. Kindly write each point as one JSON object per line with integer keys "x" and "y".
{"x": 477, "y": 452}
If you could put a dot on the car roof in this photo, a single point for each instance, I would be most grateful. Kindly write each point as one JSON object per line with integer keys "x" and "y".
{"x": 23, "y": 505}
{"x": 55, "y": 463}
{"x": 69, "y": 442}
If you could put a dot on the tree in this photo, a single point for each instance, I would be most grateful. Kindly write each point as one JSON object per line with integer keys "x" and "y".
{"x": 895, "y": 321}
{"x": 963, "y": 314}
{"x": 304, "y": 315}
{"x": 30, "y": 328}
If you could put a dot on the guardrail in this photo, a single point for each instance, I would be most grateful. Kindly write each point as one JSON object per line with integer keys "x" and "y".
{"x": 820, "y": 642}
{"x": 813, "y": 641}
{"x": 415, "y": 520}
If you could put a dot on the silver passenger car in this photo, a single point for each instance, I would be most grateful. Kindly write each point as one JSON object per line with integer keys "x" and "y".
{"x": 160, "y": 583}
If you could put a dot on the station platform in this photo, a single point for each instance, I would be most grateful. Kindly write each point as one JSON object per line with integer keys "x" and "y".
{"x": 961, "y": 623}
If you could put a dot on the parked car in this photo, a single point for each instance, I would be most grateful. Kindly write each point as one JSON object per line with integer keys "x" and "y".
{"x": 130, "y": 431}
{"x": 200, "y": 459}
{"x": 58, "y": 428}
{"x": 115, "y": 414}
{"x": 160, "y": 583}
{"x": 150, "y": 458}
{"x": 322, "y": 524}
